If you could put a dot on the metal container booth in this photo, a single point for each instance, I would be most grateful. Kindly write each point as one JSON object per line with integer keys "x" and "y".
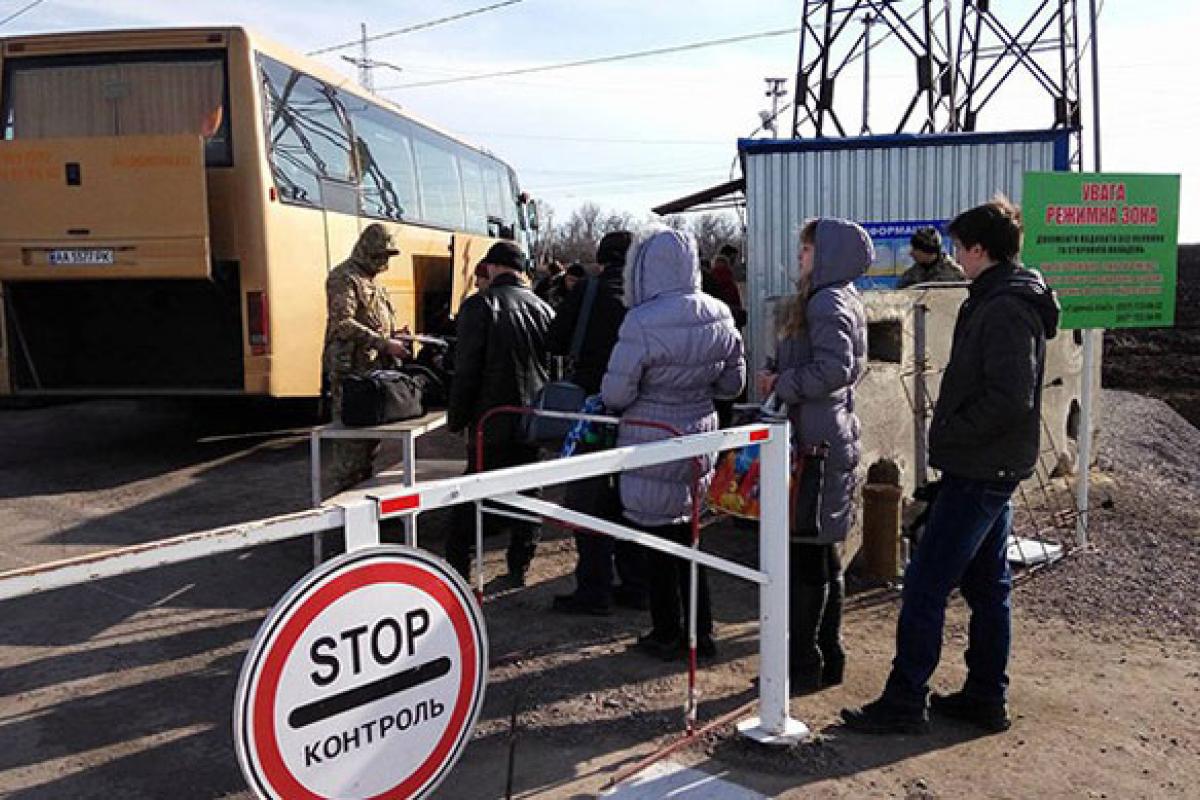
{"x": 870, "y": 179}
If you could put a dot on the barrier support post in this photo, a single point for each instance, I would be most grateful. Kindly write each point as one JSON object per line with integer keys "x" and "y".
{"x": 774, "y": 724}
{"x": 362, "y": 524}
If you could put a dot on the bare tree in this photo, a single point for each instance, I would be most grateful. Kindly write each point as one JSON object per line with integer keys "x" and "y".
{"x": 713, "y": 231}
{"x": 576, "y": 238}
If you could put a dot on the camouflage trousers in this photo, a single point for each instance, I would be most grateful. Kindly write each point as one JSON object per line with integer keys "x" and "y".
{"x": 350, "y": 461}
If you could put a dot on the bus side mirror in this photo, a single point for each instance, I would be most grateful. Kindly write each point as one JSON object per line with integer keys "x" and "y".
{"x": 531, "y": 214}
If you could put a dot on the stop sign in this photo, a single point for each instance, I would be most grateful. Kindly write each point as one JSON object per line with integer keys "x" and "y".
{"x": 365, "y": 681}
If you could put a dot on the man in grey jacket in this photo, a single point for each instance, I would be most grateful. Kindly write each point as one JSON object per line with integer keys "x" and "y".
{"x": 984, "y": 439}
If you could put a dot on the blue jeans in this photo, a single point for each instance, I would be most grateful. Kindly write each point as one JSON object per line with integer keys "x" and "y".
{"x": 964, "y": 546}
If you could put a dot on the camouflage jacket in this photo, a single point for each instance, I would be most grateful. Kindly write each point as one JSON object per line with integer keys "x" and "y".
{"x": 944, "y": 270}
{"x": 360, "y": 320}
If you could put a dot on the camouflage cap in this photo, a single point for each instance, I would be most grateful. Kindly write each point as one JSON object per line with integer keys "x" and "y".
{"x": 375, "y": 240}
{"x": 927, "y": 239}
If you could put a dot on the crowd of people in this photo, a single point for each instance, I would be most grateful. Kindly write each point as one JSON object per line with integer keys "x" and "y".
{"x": 655, "y": 336}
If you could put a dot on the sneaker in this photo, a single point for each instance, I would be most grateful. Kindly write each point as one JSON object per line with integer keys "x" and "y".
{"x": 573, "y": 604}
{"x": 882, "y": 716}
{"x": 990, "y": 716}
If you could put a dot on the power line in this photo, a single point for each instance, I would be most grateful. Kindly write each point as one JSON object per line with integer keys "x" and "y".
{"x": 21, "y": 11}
{"x": 411, "y": 28}
{"x": 700, "y": 142}
{"x": 599, "y": 60}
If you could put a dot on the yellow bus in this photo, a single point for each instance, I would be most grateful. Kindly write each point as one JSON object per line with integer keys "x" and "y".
{"x": 172, "y": 200}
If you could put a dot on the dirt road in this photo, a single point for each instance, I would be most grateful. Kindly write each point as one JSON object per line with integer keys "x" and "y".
{"x": 123, "y": 688}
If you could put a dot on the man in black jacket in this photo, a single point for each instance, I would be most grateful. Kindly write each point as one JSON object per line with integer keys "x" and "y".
{"x": 598, "y": 555}
{"x": 501, "y": 360}
{"x": 984, "y": 439}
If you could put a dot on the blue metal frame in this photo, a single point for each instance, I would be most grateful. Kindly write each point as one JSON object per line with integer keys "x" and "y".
{"x": 1061, "y": 137}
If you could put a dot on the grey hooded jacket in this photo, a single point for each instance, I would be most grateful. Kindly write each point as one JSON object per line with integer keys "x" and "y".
{"x": 677, "y": 350}
{"x": 819, "y": 367}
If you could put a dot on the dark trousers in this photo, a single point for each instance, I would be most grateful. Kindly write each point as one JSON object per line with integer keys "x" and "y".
{"x": 814, "y": 612}
{"x": 965, "y": 546}
{"x": 599, "y": 555}
{"x": 523, "y": 536}
{"x": 670, "y": 582}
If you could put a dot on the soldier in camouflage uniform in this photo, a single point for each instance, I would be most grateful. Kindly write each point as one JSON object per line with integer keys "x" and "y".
{"x": 930, "y": 263}
{"x": 358, "y": 332}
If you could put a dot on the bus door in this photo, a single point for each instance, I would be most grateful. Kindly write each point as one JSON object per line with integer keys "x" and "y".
{"x": 466, "y": 251}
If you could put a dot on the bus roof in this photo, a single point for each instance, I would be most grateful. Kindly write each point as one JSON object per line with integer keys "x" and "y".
{"x": 124, "y": 40}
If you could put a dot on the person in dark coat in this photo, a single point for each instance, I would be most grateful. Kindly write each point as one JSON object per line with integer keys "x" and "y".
{"x": 598, "y": 555}
{"x": 719, "y": 281}
{"x": 552, "y": 279}
{"x": 500, "y": 360}
{"x": 676, "y": 352}
{"x": 984, "y": 438}
{"x": 821, "y": 355}
{"x": 725, "y": 288}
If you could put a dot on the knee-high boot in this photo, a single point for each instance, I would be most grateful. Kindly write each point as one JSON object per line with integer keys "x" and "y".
{"x": 829, "y": 635}
{"x": 807, "y": 602}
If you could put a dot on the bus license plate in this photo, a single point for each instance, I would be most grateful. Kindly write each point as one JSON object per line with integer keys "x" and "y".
{"x": 77, "y": 257}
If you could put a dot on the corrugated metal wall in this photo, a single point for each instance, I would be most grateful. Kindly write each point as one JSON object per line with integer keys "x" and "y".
{"x": 882, "y": 180}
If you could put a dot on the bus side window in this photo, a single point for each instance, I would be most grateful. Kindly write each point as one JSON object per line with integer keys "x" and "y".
{"x": 388, "y": 175}
{"x": 474, "y": 194}
{"x": 306, "y": 134}
{"x": 441, "y": 187}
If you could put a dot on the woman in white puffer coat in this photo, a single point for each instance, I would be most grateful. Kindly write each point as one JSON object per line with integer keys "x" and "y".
{"x": 677, "y": 351}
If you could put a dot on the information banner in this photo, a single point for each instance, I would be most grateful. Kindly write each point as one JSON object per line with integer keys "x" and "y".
{"x": 1106, "y": 243}
{"x": 892, "y": 252}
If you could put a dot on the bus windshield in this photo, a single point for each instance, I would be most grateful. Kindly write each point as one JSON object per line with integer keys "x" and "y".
{"x": 159, "y": 93}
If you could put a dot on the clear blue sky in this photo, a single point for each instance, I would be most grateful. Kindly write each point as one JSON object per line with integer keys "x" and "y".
{"x": 632, "y": 134}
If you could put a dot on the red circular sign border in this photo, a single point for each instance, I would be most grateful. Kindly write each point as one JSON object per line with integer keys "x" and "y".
{"x": 358, "y": 576}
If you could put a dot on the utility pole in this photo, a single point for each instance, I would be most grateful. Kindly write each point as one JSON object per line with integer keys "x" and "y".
{"x": 364, "y": 62}
{"x": 868, "y": 20}
{"x": 774, "y": 91}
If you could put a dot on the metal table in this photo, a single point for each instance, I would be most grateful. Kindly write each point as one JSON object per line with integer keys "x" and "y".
{"x": 406, "y": 431}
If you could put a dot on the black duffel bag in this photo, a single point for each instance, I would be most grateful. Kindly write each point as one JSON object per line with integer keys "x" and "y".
{"x": 384, "y": 396}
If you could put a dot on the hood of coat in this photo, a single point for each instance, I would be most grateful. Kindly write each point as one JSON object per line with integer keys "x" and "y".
{"x": 843, "y": 252}
{"x": 666, "y": 261}
{"x": 1033, "y": 291}
{"x": 374, "y": 241}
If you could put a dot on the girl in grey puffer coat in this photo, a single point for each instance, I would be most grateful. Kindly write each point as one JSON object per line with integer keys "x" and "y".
{"x": 677, "y": 350}
{"x": 821, "y": 354}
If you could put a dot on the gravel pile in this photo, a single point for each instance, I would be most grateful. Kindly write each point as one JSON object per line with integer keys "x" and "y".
{"x": 1141, "y": 569}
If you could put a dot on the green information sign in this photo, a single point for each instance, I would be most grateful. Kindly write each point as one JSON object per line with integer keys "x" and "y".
{"x": 1106, "y": 243}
